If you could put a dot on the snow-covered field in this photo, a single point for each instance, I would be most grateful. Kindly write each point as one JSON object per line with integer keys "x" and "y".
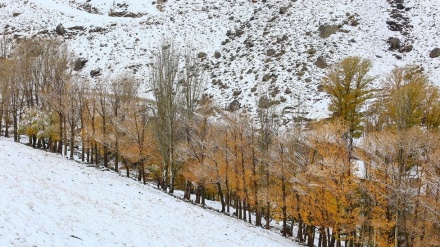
{"x": 46, "y": 200}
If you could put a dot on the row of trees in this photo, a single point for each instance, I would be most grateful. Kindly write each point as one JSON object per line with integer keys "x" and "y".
{"x": 319, "y": 179}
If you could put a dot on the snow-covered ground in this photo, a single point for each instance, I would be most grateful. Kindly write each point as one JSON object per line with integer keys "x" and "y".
{"x": 241, "y": 32}
{"x": 46, "y": 200}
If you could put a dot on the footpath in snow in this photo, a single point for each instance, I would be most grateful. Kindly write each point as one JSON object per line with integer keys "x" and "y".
{"x": 46, "y": 200}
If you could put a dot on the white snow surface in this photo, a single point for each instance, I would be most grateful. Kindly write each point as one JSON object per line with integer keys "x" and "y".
{"x": 123, "y": 44}
{"x": 47, "y": 200}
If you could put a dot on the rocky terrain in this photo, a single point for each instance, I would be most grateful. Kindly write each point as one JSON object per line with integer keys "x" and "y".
{"x": 273, "y": 48}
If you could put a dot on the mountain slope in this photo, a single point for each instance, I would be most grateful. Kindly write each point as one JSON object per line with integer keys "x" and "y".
{"x": 49, "y": 201}
{"x": 267, "y": 46}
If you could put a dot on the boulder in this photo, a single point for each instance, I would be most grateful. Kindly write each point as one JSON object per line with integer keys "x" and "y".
{"x": 320, "y": 63}
{"x": 249, "y": 44}
{"x": 234, "y": 105}
{"x": 267, "y": 77}
{"x": 201, "y": 55}
{"x": 270, "y": 52}
{"x": 408, "y": 48}
{"x": 283, "y": 10}
{"x": 435, "y": 53}
{"x": 79, "y": 64}
{"x": 326, "y": 30}
{"x": 60, "y": 29}
{"x": 217, "y": 55}
{"x": 95, "y": 72}
{"x": 311, "y": 51}
{"x": 394, "y": 43}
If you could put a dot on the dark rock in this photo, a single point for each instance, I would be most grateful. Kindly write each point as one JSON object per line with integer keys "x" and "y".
{"x": 408, "y": 48}
{"x": 95, "y": 72}
{"x": 16, "y": 14}
{"x": 283, "y": 10}
{"x": 60, "y": 29}
{"x": 394, "y": 43}
{"x": 239, "y": 32}
{"x": 234, "y": 105}
{"x": 201, "y": 55}
{"x": 311, "y": 51}
{"x": 399, "y": 1}
{"x": 249, "y": 44}
{"x": 435, "y": 53}
{"x": 326, "y": 30}
{"x": 236, "y": 93}
{"x": 78, "y": 28}
{"x": 217, "y": 55}
{"x": 270, "y": 52}
{"x": 267, "y": 77}
{"x": 79, "y": 64}
{"x": 400, "y": 6}
{"x": 320, "y": 63}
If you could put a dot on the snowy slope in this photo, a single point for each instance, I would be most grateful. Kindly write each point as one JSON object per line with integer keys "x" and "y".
{"x": 49, "y": 201}
{"x": 242, "y": 32}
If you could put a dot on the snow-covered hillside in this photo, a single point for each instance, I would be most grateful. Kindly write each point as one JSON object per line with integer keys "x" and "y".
{"x": 49, "y": 201}
{"x": 268, "y": 46}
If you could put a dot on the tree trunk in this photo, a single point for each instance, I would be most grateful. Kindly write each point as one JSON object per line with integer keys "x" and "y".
{"x": 310, "y": 235}
{"x": 299, "y": 235}
{"x": 116, "y": 156}
{"x": 72, "y": 137}
{"x": 220, "y": 193}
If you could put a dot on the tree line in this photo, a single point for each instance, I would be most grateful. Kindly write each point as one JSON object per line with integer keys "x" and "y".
{"x": 369, "y": 175}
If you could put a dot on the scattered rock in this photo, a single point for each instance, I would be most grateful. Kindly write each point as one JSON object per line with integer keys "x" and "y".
{"x": 435, "y": 53}
{"x": 284, "y": 38}
{"x": 95, "y": 72}
{"x": 283, "y": 10}
{"x": 394, "y": 43}
{"x": 408, "y": 48}
{"x": 311, "y": 51}
{"x": 236, "y": 93}
{"x": 249, "y": 44}
{"x": 326, "y": 30}
{"x": 234, "y": 105}
{"x": 201, "y": 55}
{"x": 320, "y": 63}
{"x": 270, "y": 52}
{"x": 267, "y": 77}
{"x": 78, "y": 28}
{"x": 60, "y": 29}
{"x": 239, "y": 32}
{"x": 79, "y": 64}
{"x": 217, "y": 55}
